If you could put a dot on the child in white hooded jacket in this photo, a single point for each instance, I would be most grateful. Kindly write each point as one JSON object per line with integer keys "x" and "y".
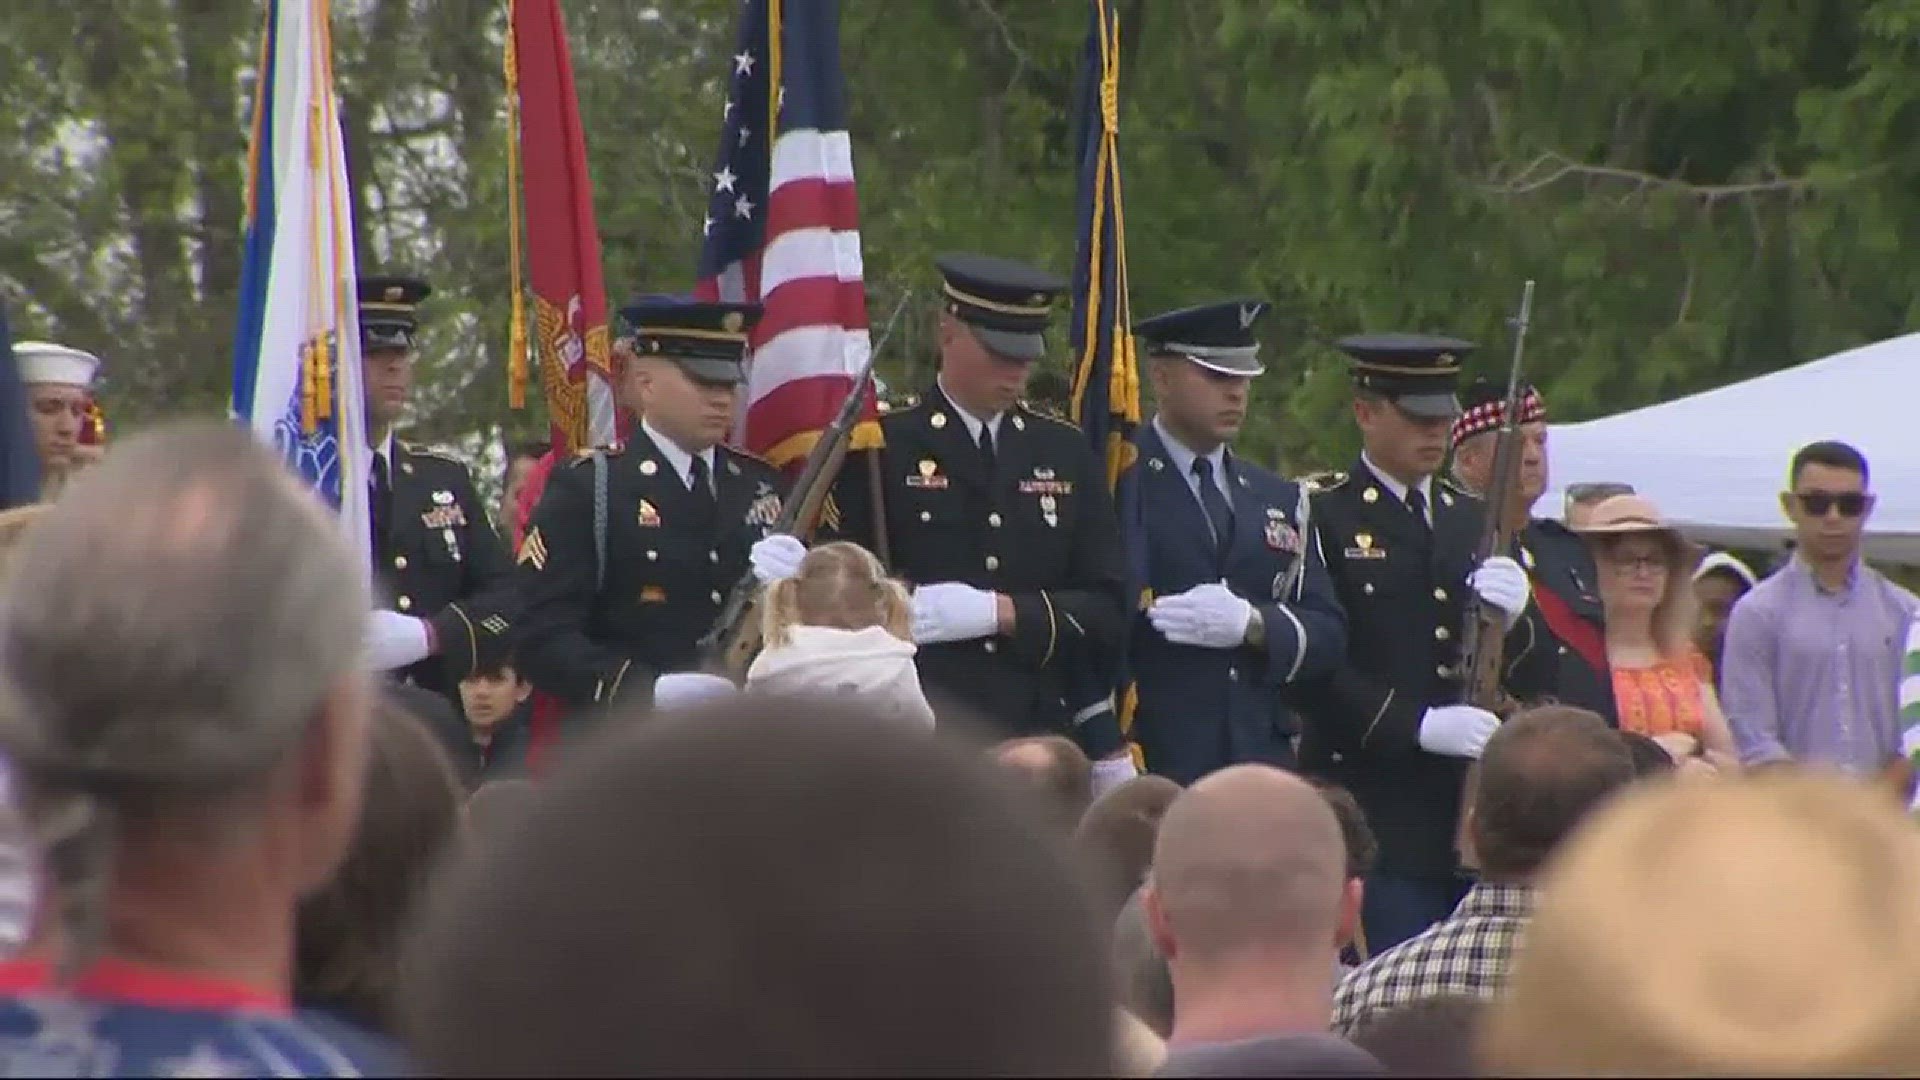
{"x": 841, "y": 626}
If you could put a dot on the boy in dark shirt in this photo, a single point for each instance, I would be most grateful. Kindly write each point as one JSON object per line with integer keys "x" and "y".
{"x": 491, "y": 739}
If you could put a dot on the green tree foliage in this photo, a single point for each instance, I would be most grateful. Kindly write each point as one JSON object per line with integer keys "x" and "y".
{"x": 1704, "y": 189}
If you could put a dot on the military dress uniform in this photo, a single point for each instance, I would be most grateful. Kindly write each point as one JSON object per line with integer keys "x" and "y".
{"x": 1560, "y": 564}
{"x": 42, "y": 363}
{"x": 436, "y": 555}
{"x": 679, "y": 531}
{"x": 1030, "y": 518}
{"x": 1201, "y": 708}
{"x": 1401, "y": 577}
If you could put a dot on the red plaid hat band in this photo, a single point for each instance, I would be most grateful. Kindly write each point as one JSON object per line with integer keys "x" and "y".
{"x": 1487, "y": 416}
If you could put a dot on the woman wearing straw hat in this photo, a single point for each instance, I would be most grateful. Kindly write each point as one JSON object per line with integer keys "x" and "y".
{"x": 1662, "y": 685}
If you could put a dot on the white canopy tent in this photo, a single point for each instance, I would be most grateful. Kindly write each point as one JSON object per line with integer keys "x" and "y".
{"x": 1716, "y": 462}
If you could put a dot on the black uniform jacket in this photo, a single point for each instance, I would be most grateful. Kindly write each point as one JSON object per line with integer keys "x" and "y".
{"x": 440, "y": 559}
{"x": 671, "y": 560}
{"x": 1566, "y": 593}
{"x": 1404, "y": 590}
{"x": 1040, "y": 529}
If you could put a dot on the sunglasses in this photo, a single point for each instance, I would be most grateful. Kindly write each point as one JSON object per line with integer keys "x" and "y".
{"x": 1816, "y": 503}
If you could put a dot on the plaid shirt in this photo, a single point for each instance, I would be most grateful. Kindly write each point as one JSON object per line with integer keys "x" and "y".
{"x": 1465, "y": 953}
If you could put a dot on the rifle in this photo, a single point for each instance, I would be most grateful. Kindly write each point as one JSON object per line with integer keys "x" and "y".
{"x": 730, "y": 645}
{"x": 1483, "y": 644}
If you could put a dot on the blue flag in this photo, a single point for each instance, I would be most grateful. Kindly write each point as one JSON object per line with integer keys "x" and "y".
{"x": 1106, "y": 378}
{"x": 19, "y": 459}
{"x": 1106, "y": 375}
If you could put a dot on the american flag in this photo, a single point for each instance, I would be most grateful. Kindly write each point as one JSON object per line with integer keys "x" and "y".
{"x": 783, "y": 226}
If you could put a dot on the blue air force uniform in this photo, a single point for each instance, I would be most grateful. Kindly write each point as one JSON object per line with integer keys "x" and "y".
{"x": 1201, "y": 708}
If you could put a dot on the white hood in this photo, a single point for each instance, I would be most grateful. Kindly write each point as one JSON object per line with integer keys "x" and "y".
{"x": 871, "y": 663}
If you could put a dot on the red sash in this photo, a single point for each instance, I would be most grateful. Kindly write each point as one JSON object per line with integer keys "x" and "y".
{"x": 1574, "y": 632}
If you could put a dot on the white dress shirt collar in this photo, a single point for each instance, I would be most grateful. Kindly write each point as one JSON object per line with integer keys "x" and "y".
{"x": 973, "y": 422}
{"x": 1397, "y": 489}
{"x": 1183, "y": 456}
{"x": 678, "y": 459}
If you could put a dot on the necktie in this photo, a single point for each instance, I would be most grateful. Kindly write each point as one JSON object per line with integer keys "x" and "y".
{"x": 702, "y": 490}
{"x": 986, "y": 448}
{"x": 1417, "y": 502}
{"x": 1219, "y": 514}
{"x": 380, "y": 507}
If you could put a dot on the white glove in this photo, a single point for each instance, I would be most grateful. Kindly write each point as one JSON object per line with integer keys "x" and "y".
{"x": 1457, "y": 730}
{"x": 1500, "y": 581}
{"x": 684, "y": 689}
{"x": 1209, "y": 616}
{"x": 394, "y": 641}
{"x": 1110, "y": 773}
{"x": 776, "y": 557}
{"x": 951, "y": 611}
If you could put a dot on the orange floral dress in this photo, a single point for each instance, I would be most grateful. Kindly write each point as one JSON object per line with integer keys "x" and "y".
{"x": 1663, "y": 698}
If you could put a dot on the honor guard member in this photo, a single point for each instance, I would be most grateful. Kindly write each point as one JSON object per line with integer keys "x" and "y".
{"x": 1238, "y": 605}
{"x": 633, "y": 548}
{"x": 1388, "y": 724}
{"x": 59, "y": 385}
{"x": 438, "y": 563}
{"x": 1000, "y": 518}
{"x": 1565, "y": 585}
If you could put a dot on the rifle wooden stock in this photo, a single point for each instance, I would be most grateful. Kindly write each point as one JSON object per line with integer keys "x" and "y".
{"x": 1484, "y": 642}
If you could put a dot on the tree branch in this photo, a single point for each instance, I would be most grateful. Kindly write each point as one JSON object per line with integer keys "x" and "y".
{"x": 1552, "y": 167}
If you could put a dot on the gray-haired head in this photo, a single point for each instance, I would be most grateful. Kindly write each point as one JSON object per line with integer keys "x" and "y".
{"x": 171, "y": 630}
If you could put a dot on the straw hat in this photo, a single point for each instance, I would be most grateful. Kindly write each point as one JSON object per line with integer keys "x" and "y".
{"x": 1636, "y": 515}
{"x": 1764, "y": 925}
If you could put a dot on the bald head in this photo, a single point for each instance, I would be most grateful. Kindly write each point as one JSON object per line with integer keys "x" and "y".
{"x": 1250, "y": 859}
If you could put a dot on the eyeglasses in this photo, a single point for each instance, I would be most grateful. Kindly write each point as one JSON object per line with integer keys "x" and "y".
{"x": 1850, "y": 504}
{"x": 1637, "y": 564}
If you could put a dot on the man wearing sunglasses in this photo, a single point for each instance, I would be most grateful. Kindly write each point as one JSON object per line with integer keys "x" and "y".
{"x": 1813, "y": 653}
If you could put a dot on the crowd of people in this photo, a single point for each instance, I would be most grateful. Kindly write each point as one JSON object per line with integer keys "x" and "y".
{"x": 1039, "y": 768}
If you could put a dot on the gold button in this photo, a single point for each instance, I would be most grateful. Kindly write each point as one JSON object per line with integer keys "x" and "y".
{"x": 399, "y": 562}
{"x": 1443, "y": 671}
{"x": 1441, "y": 633}
{"x": 1367, "y": 588}
{"x": 653, "y": 556}
{"x": 991, "y": 646}
{"x": 406, "y": 603}
{"x": 715, "y": 595}
{"x": 993, "y": 519}
{"x": 713, "y": 556}
{"x": 926, "y": 515}
{"x": 993, "y": 562}
{"x": 1440, "y": 595}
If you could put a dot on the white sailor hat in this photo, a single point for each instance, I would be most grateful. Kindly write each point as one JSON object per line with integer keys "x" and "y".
{"x": 45, "y": 362}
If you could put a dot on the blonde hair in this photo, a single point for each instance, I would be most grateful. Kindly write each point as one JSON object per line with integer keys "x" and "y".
{"x": 839, "y": 585}
{"x": 1674, "y": 617}
{"x": 1761, "y": 925}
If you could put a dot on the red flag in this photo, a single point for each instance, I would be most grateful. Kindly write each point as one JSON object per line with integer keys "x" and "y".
{"x": 563, "y": 260}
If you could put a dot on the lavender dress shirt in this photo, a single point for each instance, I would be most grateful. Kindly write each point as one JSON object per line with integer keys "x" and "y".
{"x": 1814, "y": 675}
